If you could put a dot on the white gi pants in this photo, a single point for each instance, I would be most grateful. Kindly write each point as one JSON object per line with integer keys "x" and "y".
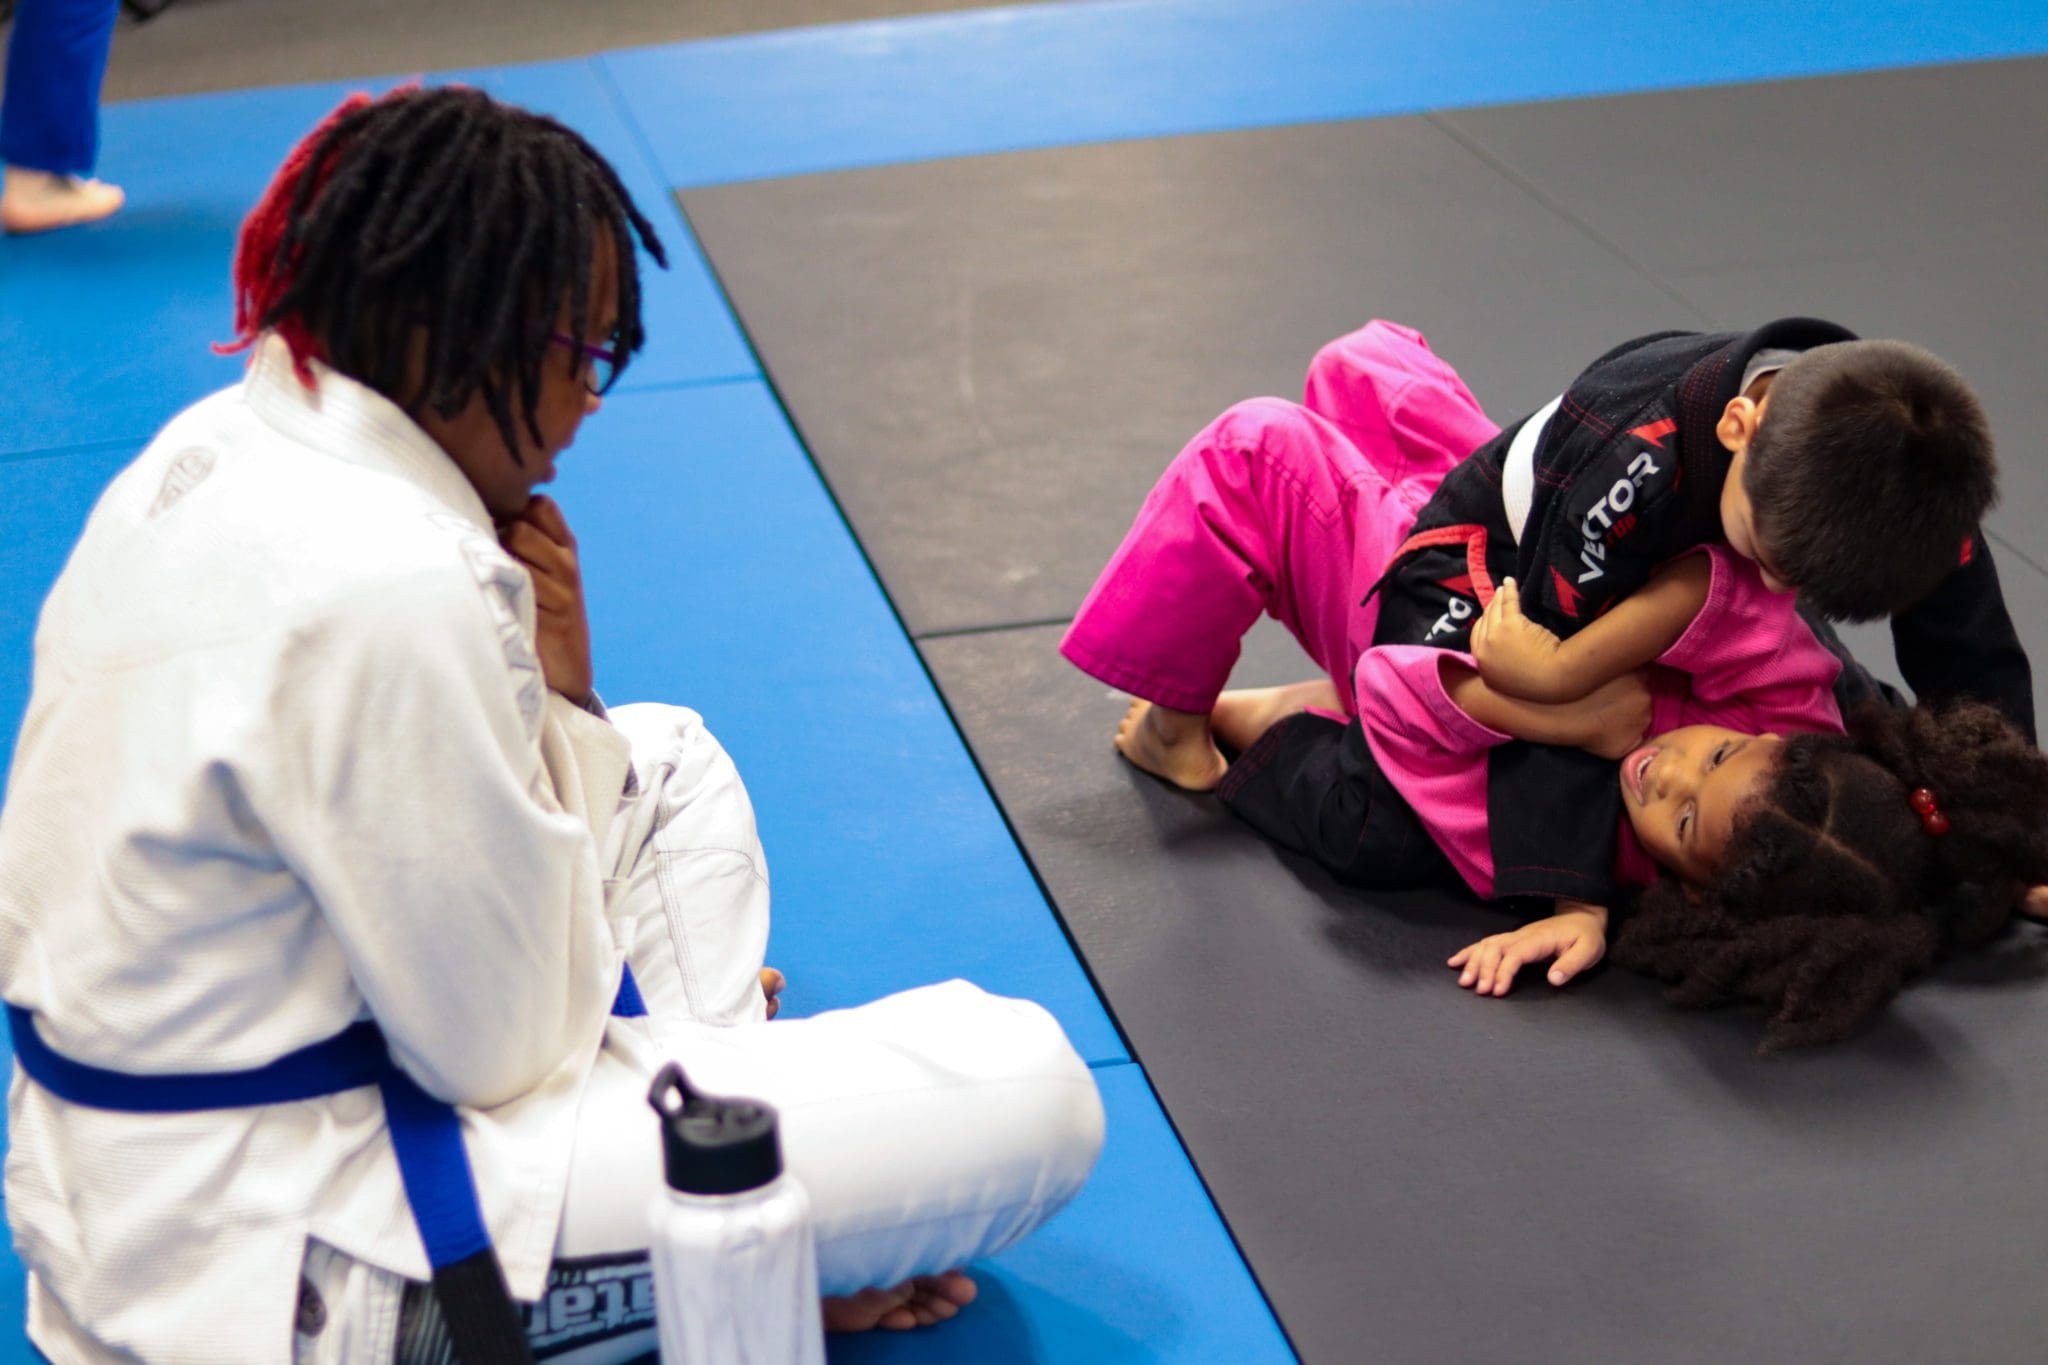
{"x": 929, "y": 1128}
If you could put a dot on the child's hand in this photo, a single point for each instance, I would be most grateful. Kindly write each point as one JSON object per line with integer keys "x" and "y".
{"x": 1576, "y": 937}
{"x": 2034, "y": 904}
{"x": 1516, "y": 656}
{"x": 1615, "y": 717}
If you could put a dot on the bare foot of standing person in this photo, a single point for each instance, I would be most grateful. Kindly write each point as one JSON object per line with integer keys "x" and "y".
{"x": 918, "y": 1302}
{"x": 37, "y": 201}
{"x": 1241, "y": 716}
{"x": 1175, "y": 745}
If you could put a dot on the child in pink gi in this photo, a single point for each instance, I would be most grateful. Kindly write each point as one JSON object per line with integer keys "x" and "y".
{"x": 1381, "y": 772}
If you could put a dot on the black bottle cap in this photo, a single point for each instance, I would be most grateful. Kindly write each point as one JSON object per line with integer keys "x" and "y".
{"x": 711, "y": 1144}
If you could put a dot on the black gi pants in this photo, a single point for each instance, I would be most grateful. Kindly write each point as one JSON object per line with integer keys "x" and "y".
{"x": 1312, "y": 785}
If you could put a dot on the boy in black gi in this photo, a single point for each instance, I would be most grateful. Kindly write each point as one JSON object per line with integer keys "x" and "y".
{"x": 1856, "y": 472}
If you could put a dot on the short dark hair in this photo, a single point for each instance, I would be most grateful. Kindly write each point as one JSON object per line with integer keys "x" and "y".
{"x": 1833, "y": 893}
{"x": 1870, "y": 471}
{"x": 444, "y": 214}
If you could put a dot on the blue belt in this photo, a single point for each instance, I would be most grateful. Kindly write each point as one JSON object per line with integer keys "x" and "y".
{"x": 426, "y": 1136}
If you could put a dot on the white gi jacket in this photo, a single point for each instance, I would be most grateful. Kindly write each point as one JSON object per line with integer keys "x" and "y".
{"x": 290, "y": 761}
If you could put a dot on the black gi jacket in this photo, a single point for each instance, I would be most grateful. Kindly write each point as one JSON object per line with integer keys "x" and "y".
{"x": 1627, "y": 475}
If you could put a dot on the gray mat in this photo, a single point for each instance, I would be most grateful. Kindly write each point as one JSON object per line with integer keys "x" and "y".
{"x": 1791, "y": 172}
{"x": 235, "y": 44}
{"x": 1416, "y": 1174}
{"x": 992, "y": 359}
{"x": 1904, "y": 203}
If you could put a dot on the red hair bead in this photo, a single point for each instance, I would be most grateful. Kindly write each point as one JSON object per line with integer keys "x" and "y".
{"x": 1924, "y": 805}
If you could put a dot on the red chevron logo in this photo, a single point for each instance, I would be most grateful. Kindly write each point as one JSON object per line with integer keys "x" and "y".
{"x": 1655, "y": 432}
{"x": 1567, "y": 595}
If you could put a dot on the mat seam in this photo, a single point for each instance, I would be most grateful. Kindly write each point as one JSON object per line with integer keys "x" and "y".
{"x": 1440, "y": 120}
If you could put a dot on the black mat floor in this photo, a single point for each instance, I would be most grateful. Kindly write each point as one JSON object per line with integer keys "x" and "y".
{"x": 992, "y": 359}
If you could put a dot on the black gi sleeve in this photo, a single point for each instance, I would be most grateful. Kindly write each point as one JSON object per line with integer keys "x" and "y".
{"x": 1595, "y": 535}
{"x": 1311, "y": 784}
{"x": 1959, "y": 642}
{"x": 1553, "y": 819}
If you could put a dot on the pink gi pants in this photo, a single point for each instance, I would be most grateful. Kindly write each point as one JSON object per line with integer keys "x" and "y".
{"x": 1292, "y": 510}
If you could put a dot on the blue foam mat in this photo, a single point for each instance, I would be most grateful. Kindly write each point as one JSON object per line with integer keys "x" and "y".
{"x": 1137, "y": 1268}
{"x": 720, "y": 576}
{"x": 105, "y": 329}
{"x": 995, "y": 80}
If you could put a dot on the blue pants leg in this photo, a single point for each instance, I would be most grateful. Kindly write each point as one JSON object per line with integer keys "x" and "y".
{"x": 49, "y": 119}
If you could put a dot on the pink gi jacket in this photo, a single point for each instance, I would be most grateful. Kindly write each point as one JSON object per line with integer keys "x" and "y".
{"x": 1747, "y": 662}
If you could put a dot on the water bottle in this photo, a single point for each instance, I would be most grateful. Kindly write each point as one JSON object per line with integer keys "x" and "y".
{"x": 735, "y": 1266}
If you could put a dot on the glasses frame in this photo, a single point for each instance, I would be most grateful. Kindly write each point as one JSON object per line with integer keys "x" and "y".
{"x": 596, "y": 356}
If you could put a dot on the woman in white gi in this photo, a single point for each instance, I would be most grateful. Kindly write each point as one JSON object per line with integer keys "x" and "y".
{"x": 313, "y": 757}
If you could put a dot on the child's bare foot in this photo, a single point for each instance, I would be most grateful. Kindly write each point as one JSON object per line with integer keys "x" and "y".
{"x": 772, "y": 983}
{"x": 36, "y": 201}
{"x": 1245, "y": 714}
{"x": 918, "y": 1302}
{"x": 1175, "y": 745}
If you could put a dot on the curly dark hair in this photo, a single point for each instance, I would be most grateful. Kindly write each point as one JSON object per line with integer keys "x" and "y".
{"x": 1833, "y": 893}
{"x": 442, "y": 215}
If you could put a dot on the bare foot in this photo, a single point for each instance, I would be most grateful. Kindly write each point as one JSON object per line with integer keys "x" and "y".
{"x": 1175, "y": 745}
{"x": 772, "y": 983}
{"x": 36, "y": 201}
{"x": 918, "y": 1302}
{"x": 1245, "y": 714}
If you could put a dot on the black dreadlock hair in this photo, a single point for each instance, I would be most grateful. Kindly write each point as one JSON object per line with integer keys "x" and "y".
{"x": 440, "y": 229}
{"x": 1833, "y": 892}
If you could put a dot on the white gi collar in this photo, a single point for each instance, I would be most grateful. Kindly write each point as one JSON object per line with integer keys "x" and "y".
{"x": 352, "y": 422}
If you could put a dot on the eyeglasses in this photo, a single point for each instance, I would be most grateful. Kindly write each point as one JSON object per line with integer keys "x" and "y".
{"x": 604, "y": 363}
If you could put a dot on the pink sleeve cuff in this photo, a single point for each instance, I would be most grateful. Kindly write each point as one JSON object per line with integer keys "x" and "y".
{"x": 1417, "y": 670}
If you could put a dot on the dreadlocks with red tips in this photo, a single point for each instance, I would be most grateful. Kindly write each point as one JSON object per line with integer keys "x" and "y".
{"x": 425, "y": 244}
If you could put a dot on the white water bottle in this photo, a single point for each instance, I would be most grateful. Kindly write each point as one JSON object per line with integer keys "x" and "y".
{"x": 735, "y": 1266}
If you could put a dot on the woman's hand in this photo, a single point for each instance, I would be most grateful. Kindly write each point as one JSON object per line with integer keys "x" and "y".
{"x": 1517, "y": 657}
{"x": 1576, "y": 936}
{"x": 540, "y": 539}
